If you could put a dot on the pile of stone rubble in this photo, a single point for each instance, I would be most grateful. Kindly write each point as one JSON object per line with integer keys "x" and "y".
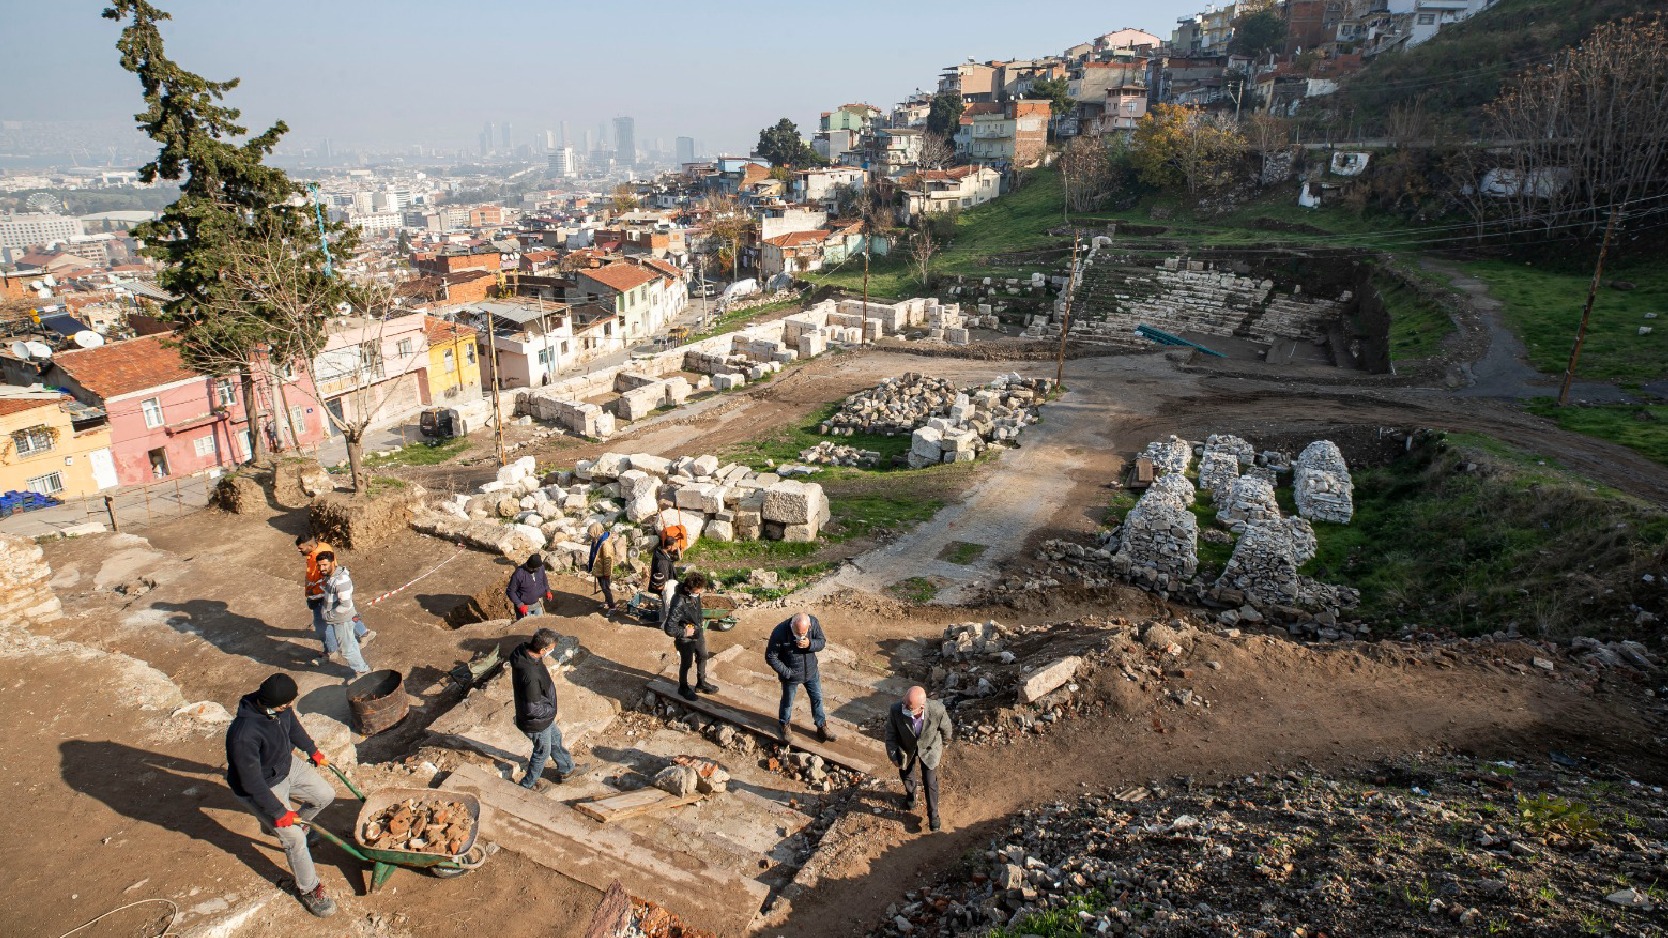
{"x": 1158, "y": 542}
{"x": 1304, "y": 854}
{"x": 521, "y": 512}
{"x": 994, "y": 414}
{"x": 896, "y": 405}
{"x": 828, "y": 453}
{"x": 1321, "y": 484}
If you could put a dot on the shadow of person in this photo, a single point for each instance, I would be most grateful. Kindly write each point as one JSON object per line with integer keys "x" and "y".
{"x": 214, "y": 622}
{"x": 182, "y": 795}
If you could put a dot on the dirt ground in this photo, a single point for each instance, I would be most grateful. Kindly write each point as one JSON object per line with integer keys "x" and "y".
{"x": 131, "y": 804}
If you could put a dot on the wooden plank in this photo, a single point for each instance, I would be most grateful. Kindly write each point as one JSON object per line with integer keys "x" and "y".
{"x": 613, "y": 914}
{"x": 633, "y": 803}
{"x": 555, "y": 835}
{"x": 750, "y": 711}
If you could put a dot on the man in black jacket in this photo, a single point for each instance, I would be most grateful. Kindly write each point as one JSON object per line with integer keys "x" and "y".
{"x": 663, "y": 580}
{"x": 792, "y": 654}
{"x": 535, "y": 709}
{"x": 265, "y": 776}
{"x": 686, "y": 624}
{"x": 529, "y": 588}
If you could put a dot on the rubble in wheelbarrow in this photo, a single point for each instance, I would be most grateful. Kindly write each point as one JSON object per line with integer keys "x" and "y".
{"x": 419, "y": 826}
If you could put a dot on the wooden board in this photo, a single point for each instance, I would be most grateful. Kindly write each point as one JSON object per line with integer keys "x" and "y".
{"x": 555, "y": 835}
{"x": 750, "y": 711}
{"x": 1143, "y": 472}
{"x": 613, "y": 914}
{"x": 632, "y": 803}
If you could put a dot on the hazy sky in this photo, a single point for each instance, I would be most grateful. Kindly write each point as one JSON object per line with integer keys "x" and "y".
{"x": 385, "y": 73}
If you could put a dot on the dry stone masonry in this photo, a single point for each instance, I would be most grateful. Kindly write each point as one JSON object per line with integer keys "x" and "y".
{"x": 1321, "y": 484}
{"x": 1265, "y": 561}
{"x": 26, "y": 595}
{"x": 1171, "y": 455}
{"x": 1249, "y": 500}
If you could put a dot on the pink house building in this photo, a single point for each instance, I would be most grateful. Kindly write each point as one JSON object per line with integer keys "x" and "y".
{"x": 167, "y": 420}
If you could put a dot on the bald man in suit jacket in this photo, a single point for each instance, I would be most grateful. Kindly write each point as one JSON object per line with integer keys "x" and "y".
{"x": 917, "y": 732}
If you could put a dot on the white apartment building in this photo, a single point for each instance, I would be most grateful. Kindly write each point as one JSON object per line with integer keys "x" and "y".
{"x": 21, "y": 230}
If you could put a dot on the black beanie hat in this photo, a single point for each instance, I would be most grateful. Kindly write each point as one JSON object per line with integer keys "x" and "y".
{"x": 276, "y": 691}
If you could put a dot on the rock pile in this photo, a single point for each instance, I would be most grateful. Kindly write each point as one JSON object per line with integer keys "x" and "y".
{"x": 520, "y": 512}
{"x": 1321, "y": 484}
{"x": 1303, "y": 854}
{"x": 26, "y": 594}
{"x": 1220, "y": 460}
{"x": 1250, "y": 499}
{"x": 1265, "y": 561}
{"x": 1171, "y": 455}
{"x": 828, "y": 453}
{"x": 1158, "y": 543}
{"x": 896, "y": 405}
{"x": 995, "y": 413}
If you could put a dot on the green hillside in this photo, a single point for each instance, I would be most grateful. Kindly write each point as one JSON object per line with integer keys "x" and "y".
{"x": 1462, "y": 67}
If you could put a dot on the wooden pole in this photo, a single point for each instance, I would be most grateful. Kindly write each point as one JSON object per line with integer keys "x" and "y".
{"x": 148, "y": 499}
{"x": 1065, "y": 323}
{"x": 178, "y": 499}
{"x": 1586, "y": 311}
{"x": 497, "y": 379}
{"x": 110, "y": 509}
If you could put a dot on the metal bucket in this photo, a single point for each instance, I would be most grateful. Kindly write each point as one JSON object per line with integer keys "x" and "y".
{"x": 377, "y": 701}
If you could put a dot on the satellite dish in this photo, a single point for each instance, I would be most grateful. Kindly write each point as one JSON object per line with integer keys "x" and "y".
{"x": 38, "y": 350}
{"x": 87, "y": 338}
{"x": 20, "y": 350}
{"x": 43, "y": 292}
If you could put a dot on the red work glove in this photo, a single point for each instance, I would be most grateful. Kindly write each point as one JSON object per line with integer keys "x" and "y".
{"x": 320, "y": 759}
{"x": 549, "y": 595}
{"x": 521, "y": 609}
{"x": 290, "y": 817}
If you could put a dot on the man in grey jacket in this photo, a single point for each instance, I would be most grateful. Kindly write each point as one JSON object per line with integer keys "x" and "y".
{"x": 917, "y": 732}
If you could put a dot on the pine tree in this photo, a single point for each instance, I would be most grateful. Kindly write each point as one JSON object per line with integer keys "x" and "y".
{"x": 231, "y": 202}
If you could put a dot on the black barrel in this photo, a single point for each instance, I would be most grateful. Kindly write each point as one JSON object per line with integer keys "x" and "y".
{"x": 377, "y": 701}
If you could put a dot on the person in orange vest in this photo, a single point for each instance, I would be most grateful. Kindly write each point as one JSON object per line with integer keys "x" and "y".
{"x": 309, "y": 547}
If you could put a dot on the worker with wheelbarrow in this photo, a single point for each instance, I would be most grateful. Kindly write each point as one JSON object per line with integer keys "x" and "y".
{"x": 266, "y": 777}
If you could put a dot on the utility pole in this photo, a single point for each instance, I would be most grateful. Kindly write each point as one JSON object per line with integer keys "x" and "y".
{"x": 1586, "y": 311}
{"x": 497, "y": 412}
{"x": 1065, "y": 322}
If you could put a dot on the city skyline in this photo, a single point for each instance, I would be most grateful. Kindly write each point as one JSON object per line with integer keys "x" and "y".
{"x": 372, "y": 100}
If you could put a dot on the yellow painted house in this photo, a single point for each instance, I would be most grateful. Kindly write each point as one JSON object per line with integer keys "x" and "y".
{"x": 40, "y": 450}
{"x": 454, "y": 367}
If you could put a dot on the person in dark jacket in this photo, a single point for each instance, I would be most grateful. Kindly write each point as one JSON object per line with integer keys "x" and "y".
{"x": 535, "y": 709}
{"x": 663, "y": 573}
{"x": 529, "y": 588}
{"x": 792, "y": 654}
{"x": 265, "y": 777}
{"x": 686, "y": 624}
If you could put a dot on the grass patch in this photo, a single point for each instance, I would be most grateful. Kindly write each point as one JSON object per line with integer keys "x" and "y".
{"x": 917, "y": 590}
{"x": 1542, "y": 303}
{"x": 738, "y": 319}
{"x": 1641, "y": 428}
{"x": 1212, "y": 556}
{"x": 860, "y": 515}
{"x": 384, "y": 483}
{"x": 1063, "y": 922}
{"x": 1517, "y": 542}
{"x": 963, "y": 552}
{"x": 1417, "y": 325}
{"x": 421, "y": 453}
{"x": 757, "y": 553}
{"x": 785, "y": 443}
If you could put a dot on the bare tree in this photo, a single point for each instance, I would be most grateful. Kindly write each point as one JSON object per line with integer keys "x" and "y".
{"x": 299, "y": 305}
{"x": 922, "y": 247}
{"x": 729, "y": 223}
{"x": 1086, "y": 173}
{"x": 1584, "y": 133}
{"x": 936, "y": 152}
{"x": 1269, "y": 137}
{"x": 1409, "y": 122}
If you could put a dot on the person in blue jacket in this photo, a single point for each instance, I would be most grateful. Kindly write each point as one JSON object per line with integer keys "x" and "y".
{"x": 529, "y": 588}
{"x": 792, "y": 654}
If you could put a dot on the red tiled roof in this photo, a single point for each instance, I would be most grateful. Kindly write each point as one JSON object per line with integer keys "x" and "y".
{"x": 621, "y": 277}
{"x": 125, "y": 367}
{"x": 796, "y": 238}
{"x": 444, "y": 330}
{"x": 17, "y": 405}
{"x": 665, "y": 267}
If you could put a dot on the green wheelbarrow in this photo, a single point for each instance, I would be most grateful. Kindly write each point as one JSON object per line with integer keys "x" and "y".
{"x": 383, "y": 861}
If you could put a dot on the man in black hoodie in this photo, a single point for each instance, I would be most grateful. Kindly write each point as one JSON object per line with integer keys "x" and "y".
{"x": 535, "y": 709}
{"x": 529, "y": 588}
{"x": 686, "y": 625}
{"x": 265, "y": 776}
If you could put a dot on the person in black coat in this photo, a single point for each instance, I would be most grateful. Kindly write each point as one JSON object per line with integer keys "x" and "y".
{"x": 663, "y": 580}
{"x": 529, "y": 588}
{"x": 535, "y": 709}
{"x": 686, "y": 624}
{"x": 792, "y": 654}
{"x": 265, "y": 777}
